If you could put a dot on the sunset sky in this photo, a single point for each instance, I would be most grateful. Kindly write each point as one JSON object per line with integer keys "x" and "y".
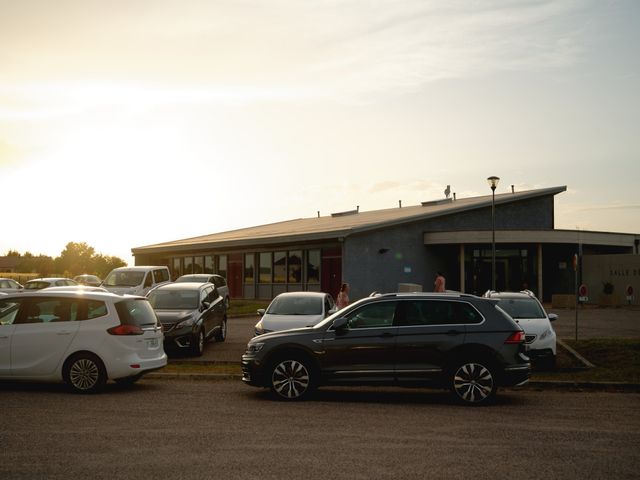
{"x": 129, "y": 123}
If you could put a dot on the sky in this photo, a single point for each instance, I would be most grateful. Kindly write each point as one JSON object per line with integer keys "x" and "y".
{"x": 130, "y": 123}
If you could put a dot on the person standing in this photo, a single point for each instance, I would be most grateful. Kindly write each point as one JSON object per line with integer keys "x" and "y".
{"x": 343, "y": 296}
{"x": 439, "y": 284}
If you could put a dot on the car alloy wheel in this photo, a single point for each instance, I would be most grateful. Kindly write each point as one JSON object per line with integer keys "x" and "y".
{"x": 290, "y": 379}
{"x": 198, "y": 343}
{"x": 473, "y": 383}
{"x": 222, "y": 333}
{"x": 84, "y": 373}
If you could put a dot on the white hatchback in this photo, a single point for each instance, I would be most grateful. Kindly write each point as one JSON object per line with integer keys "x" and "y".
{"x": 528, "y": 312}
{"x": 295, "y": 310}
{"x": 82, "y": 338}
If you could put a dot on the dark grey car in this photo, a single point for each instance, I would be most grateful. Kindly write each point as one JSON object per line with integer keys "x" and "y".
{"x": 456, "y": 341}
{"x": 190, "y": 314}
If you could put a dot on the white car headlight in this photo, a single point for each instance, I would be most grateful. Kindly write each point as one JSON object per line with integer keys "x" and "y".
{"x": 545, "y": 334}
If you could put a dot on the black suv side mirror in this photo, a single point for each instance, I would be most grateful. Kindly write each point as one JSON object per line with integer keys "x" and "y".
{"x": 205, "y": 305}
{"x": 340, "y": 324}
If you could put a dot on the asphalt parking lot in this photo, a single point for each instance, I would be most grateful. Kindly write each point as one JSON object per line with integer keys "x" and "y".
{"x": 187, "y": 429}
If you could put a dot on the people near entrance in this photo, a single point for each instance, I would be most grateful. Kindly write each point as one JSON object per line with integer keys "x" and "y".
{"x": 439, "y": 284}
{"x": 343, "y": 296}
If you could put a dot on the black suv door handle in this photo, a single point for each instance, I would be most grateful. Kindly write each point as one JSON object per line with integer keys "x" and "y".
{"x": 386, "y": 335}
{"x": 453, "y": 332}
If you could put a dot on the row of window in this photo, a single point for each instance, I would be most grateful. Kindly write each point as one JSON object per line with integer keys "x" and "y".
{"x": 199, "y": 264}
{"x": 283, "y": 267}
{"x": 44, "y": 310}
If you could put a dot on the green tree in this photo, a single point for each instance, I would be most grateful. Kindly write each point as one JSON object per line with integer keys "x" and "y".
{"x": 76, "y": 258}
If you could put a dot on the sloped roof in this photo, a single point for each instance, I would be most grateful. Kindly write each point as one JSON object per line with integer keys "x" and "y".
{"x": 340, "y": 225}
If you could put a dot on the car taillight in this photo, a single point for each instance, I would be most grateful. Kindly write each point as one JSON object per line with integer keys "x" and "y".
{"x": 516, "y": 337}
{"x": 125, "y": 330}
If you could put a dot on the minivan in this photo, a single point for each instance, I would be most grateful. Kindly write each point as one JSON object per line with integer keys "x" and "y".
{"x": 136, "y": 280}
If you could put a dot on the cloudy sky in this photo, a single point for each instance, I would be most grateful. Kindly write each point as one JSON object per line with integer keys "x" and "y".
{"x": 129, "y": 123}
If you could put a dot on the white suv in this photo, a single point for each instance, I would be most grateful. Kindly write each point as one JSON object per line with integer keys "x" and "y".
{"x": 82, "y": 338}
{"x": 528, "y": 312}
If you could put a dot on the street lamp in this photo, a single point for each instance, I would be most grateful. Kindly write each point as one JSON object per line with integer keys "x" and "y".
{"x": 493, "y": 183}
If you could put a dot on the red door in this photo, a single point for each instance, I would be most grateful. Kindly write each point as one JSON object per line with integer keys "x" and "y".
{"x": 331, "y": 275}
{"x": 235, "y": 276}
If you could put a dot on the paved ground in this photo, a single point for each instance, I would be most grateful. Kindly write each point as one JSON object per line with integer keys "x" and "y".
{"x": 623, "y": 322}
{"x": 179, "y": 429}
{"x": 592, "y": 323}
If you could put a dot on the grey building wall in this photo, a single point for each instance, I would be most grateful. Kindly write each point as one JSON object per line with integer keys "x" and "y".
{"x": 379, "y": 260}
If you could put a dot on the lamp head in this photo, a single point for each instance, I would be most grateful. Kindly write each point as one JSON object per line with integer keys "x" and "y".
{"x": 493, "y": 182}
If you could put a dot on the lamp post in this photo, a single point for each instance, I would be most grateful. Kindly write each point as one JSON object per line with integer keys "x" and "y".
{"x": 493, "y": 183}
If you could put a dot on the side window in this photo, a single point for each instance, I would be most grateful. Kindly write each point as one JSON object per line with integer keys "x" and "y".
{"x": 204, "y": 295}
{"x": 465, "y": 313}
{"x": 44, "y": 310}
{"x": 161, "y": 275}
{"x": 95, "y": 309}
{"x": 9, "y": 310}
{"x": 427, "y": 312}
{"x": 214, "y": 294}
{"x": 147, "y": 280}
{"x": 373, "y": 315}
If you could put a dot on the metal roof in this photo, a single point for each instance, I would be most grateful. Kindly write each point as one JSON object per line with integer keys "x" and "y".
{"x": 343, "y": 225}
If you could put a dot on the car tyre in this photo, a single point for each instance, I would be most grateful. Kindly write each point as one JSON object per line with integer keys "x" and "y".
{"x": 473, "y": 382}
{"x": 292, "y": 378}
{"x": 84, "y": 373}
{"x": 221, "y": 335}
{"x": 197, "y": 345}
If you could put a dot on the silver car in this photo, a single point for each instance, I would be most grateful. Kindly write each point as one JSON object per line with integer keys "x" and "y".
{"x": 8, "y": 285}
{"x": 295, "y": 310}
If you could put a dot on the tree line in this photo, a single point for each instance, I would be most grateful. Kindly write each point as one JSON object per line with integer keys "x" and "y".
{"x": 75, "y": 259}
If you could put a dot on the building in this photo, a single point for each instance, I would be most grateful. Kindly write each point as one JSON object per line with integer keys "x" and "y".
{"x": 378, "y": 250}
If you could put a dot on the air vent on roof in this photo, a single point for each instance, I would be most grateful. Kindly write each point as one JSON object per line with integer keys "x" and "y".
{"x": 348, "y": 212}
{"x": 437, "y": 202}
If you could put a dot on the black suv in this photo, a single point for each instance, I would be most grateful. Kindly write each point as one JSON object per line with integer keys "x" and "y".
{"x": 456, "y": 341}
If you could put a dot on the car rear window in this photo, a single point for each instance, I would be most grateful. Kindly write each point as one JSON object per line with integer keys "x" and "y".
{"x": 136, "y": 312}
{"x": 521, "y": 308}
{"x": 292, "y": 305}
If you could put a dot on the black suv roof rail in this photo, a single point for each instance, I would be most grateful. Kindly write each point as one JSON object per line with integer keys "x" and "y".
{"x": 448, "y": 293}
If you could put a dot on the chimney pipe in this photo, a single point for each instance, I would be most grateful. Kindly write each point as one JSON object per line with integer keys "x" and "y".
{"x": 454, "y": 196}
{"x": 513, "y": 190}
{"x": 318, "y": 213}
{"x": 399, "y": 203}
{"x": 358, "y": 208}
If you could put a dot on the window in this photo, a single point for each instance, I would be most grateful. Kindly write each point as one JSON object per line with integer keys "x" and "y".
{"x": 249, "y": 275}
{"x": 437, "y": 312}
{"x": 222, "y": 265}
{"x": 265, "y": 268}
{"x": 313, "y": 266}
{"x": 44, "y": 310}
{"x": 295, "y": 266}
{"x": 374, "y": 315}
{"x": 208, "y": 264}
{"x": 188, "y": 265}
{"x": 279, "y": 267}
{"x": 147, "y": 280}
{"x": 198, "y": 265}
{"x": 95, "y": 309}
{"x": 176, "y": 268}
{"x": 160, "y": 275}
{"x": 9, "y": 310}
{"x": 136, "y": 312}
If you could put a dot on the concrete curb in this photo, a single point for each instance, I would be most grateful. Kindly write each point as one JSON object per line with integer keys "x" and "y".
{"x": 541, "y": 384}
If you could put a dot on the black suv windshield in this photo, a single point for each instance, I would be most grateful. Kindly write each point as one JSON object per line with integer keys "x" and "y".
{"x": 174, "y": 300}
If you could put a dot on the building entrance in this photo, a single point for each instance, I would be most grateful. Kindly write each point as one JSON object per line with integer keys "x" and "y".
{"x": 515, "y": 269}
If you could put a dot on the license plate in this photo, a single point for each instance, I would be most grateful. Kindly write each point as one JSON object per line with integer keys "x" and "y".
{"x": 152, "y": 343}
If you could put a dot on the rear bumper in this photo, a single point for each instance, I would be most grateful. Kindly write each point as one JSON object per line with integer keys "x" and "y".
{"x": 516, "y": 375}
